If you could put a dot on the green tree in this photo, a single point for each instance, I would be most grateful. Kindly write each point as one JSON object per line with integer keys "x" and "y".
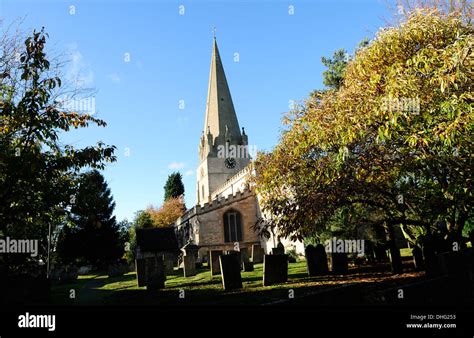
{"x": 38, "y": 171}
{"x": 394, "y": 142}
{"x": 333, "y": 77}
{"x": 95, "y": 236}
{"x": 143, "y": 220}
{"x": 174, "y": 187}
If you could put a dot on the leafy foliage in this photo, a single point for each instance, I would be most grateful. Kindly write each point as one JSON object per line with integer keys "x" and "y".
{"x": 38, "y": 172}
{"x": 167, "y": 214}
{"x": 174, "y": 187}
{"x": 363, "y": 147}
{"x": 95, "y": 236}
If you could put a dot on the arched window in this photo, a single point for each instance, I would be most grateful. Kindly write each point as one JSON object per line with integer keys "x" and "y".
{"x": 232, "y": 226}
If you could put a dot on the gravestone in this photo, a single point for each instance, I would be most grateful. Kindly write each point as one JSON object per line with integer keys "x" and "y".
{"x": 257, "y": 253}
{"x": 244, "y": 255}
{"x": 418, "y": 258}
{"x": 247, "y": 266}
{"x": 456, "y": 263}
{"x": 230, "y": 272}
{"x": 155, "y": 272}
{"x": 380, "y": 252}
{"x": 191, "y": 250}
{"x": 279, "y": 250}
{"x": 117, "y": 269}
{"x": 214, "y": 261}
{"x": 233, "y": 252}
{"x": 141, "y": 271}
{"x": 339, "y": 263}
{"x": 316, "y": 260}
{"x": 275, "y": 269}
{"x": 85, "y": 269}
{"x": 168, "y": 260}
{"x": 189, "y": 266}
{"x": 369, "y": 251}
{"x": 432, "y": 266}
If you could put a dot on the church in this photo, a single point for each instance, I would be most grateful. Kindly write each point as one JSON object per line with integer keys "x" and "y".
{"x": 227, "y": 206}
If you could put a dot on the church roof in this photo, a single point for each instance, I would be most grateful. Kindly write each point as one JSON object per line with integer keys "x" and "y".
{"x": 220, "y": 113}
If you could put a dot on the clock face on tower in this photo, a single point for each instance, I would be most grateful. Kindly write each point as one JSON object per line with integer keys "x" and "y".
{"x": 230, "y": 163}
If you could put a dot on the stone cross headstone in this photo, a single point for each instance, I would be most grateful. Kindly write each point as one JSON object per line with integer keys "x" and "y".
{"x": 339, "y": 263}
{"x": 316, "y": 260}
{"x": 230, "y": 272}
{"x": 189, "y": 266}
{"x": 257, "y": 253}
{"x": 214, "y": 261}
{"x": 275, "y": 269}
{"x": 155, "y": 272}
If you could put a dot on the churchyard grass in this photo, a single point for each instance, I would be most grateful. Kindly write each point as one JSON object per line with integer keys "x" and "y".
{"x": 202, "y": 289}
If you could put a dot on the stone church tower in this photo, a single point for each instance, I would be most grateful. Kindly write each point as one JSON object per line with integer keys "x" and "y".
{"x": 223, "y": 147}
{"x": 226, "y": 207}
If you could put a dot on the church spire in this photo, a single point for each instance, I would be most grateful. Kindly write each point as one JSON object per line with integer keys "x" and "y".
{"x": 220, "y": 113}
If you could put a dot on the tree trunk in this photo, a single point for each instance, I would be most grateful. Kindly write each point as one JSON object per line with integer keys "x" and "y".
{"x": 395, "y": 258}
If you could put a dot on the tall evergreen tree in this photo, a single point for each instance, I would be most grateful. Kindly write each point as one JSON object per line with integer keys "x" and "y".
{"x": 95, "y": 236}
{"x": 334, "y": 75}
{"x": 174, "y": 186}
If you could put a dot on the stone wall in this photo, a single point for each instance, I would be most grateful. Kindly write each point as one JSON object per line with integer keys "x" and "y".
{"x": 210, "y": 223}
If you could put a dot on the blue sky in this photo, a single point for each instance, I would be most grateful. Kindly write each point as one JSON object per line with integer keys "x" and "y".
{"x": 169, "y": 57}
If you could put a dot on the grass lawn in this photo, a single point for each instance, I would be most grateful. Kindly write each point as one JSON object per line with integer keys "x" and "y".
{"x": 203, "y": 289}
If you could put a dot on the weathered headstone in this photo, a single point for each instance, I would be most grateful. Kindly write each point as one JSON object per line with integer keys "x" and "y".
{"x": 380, "y": 252}
{"x": 257, "y": 253}
{"x": 168, "y": 260}
{"x": 275, "y": 269}
{"x": 85, "y": 269}
{"x": 230, "y": 272}
{"x": 244, "y": 255}
{"x": 247, "y": 266}
{"x": 214, "y": 261}
{"x": 430, "y": 258}
{"x": 278, "y": 251}
{"x": 316, "y": 260}
{"x": 369, "y": 251}
{"x": 141, "y": 271}
{"x": 155, "y": 272}
{"x": 418, "y": 258}
{"x": 117, "y": 269}
{"x": 191, "y": 250}
{"x": 234, "y": 252}
{"x": 339, "y": 263}
{"x": 456, "y": 263}
{"x": 189, "y": 266}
